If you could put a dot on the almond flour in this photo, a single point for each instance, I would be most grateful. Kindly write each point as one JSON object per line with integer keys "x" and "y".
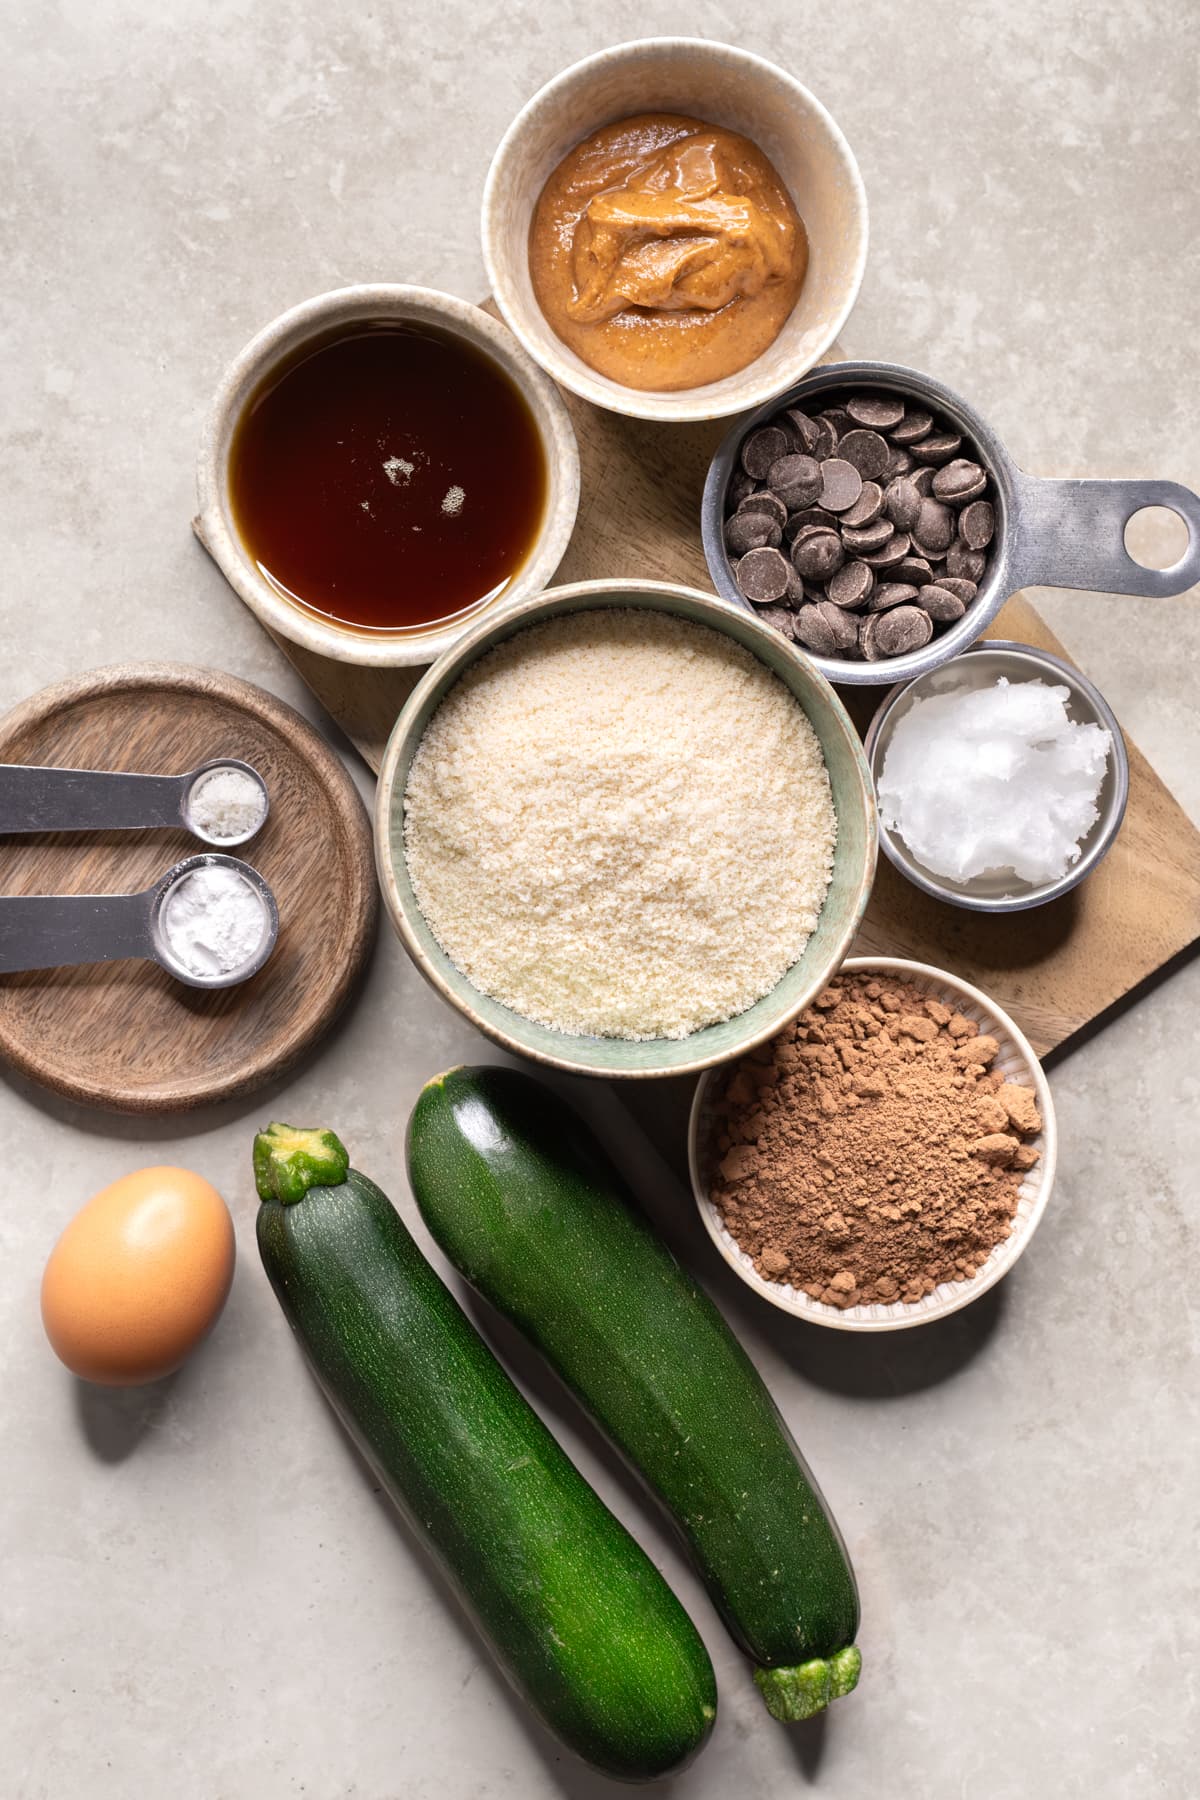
{"x": 620, "y": 823}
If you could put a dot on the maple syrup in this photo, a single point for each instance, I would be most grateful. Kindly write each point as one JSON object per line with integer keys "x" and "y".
{"x": 388, "y": 478}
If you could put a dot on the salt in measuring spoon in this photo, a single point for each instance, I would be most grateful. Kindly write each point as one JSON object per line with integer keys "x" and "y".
{"x": 47, "y": 931}
{"x": 42, "y": 799}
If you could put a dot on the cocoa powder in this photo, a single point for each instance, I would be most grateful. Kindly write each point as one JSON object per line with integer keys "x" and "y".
{"x": 870, "y": 1152}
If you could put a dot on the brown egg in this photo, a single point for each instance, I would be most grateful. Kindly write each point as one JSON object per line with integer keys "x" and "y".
{"x": 138, "y": 1276}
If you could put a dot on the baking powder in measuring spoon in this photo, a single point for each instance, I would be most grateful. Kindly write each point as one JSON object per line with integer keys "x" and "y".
{"x": 214, "y": 921}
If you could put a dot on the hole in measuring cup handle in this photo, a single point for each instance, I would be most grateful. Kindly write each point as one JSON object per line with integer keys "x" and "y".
{"x": 1156, "y": 537}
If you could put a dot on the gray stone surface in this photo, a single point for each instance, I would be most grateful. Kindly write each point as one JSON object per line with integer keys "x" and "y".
{"x": 202, "y": 1595}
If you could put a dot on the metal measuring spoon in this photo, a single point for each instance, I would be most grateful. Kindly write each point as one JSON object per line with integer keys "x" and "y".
{"x": 40, "y": 799}
{"x": 48, "y": 931}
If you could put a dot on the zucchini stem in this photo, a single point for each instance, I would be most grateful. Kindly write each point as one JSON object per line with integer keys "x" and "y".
{"x": 437, "y": 1081}
{"x": 288, "y": 1160}
{"x": 802, "y": 1691}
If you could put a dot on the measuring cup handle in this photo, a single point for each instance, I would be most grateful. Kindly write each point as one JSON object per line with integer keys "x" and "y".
{"x": 1071, "y": 534}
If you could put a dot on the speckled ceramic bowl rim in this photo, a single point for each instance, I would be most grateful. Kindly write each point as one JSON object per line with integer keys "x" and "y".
{"x": 316, "y": 318}
{"x": 1024, "y": 657}
{"x": 951, "y": 1296}
{"x": 690, "y": 404}
{"x": 406, "y": 734}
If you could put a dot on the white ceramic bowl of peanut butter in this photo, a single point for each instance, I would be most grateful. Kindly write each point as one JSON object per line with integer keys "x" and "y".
{"x": 724, "y": 87}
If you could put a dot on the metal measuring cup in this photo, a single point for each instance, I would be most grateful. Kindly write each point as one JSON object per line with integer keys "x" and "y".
{"x": 1067, "y": 534}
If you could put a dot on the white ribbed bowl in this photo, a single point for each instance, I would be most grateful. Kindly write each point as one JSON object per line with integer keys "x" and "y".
{"x": 1016, "y": 1061}
{"x": 317, "y": 319}
{"x": 723, "y": 85}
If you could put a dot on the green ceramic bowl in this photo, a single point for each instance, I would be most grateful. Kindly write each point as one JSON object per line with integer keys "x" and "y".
{"x": 854, "y": 859}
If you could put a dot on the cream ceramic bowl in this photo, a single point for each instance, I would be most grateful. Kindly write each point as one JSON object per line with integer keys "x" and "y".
{"x": 321, "y": 318}
{"x": 1016, "y": 1061}
{"x": 722, "y": 86}
{"x": 854, "y": 858}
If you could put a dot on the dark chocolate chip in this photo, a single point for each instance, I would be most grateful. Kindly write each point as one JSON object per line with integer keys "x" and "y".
{"x": 796, "y": 479}
{"x": 866, "y": 508}
{"x": 838, "y": 420}
{"x": 750, "y": 531}
{"x": 892, "y": 593}
{"x": 941, "y": 604}
{"x": 762, "y": 448}
{"x": 763, "y": 501}
{"x": 914, "y": 569}
{"x": 954, "y": 584}
{"x": 762, "y": 575}
{"x": 812, "y": 630}
{"x": 740, "y": 484}
{"x": 866, "y": 450}
{"x": 867, "y": 537}
{"x": 841, "y": 485}
{"x": 934, "y": 529}
{"x": 977, "y": 524}
{"x": 806, "y": 429}
{"x": 851, "y": 585}
{"x": 818, "y": 554}
{"x": 964, "y": 563}
{"x": 959, "y": 481}
{"x": 901, "y": 629}
{"x": 891, "y": 554}
{"x": 810, "y": 515}
{"x": 781, "y": 618}
{"x": 843, "y": 625}
{"x": 938, "y": 448}
{"x": 899, "y": 462}
{"x": 827, "y": 439}
{"x": 903, "y": 503}
{"x": 922, "y": 480}
{"x": 880, "y": 411}
{"x": 795, "y": 595}
{"x": 867, "y": 646}
{"x": 912, "y": 427}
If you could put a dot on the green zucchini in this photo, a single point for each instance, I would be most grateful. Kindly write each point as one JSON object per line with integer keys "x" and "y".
{"x": 524, "y": 1202}
{"x": 579, "y": 1618}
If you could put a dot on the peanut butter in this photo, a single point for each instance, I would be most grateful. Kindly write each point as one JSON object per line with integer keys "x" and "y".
{"x": 666, "y": 252}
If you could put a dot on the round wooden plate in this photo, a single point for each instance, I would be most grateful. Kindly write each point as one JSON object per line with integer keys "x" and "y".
{"x": 124, "y": 1035}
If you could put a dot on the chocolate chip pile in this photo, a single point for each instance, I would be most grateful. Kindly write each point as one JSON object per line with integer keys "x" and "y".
{"x": 860, "y": 531}
{"x": 871, "y": 1151}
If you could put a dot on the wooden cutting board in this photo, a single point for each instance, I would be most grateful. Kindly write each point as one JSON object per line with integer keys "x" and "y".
{"x": 125, "y": 1035}
{"x": 1058, "y": 968}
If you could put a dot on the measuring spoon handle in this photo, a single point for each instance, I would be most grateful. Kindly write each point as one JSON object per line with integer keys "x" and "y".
{"x": 38, "y": 799}
{"x": 1071, "y": 534}
{"x": 45, "y": 931}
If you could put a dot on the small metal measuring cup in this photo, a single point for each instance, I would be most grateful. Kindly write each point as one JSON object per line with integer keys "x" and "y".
{"x": 49, "y": 931}
{"x": 1001, "y": 891}
{"x": 1068, "y": 534}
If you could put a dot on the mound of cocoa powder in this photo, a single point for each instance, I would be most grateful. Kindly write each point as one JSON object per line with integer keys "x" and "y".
{"x": 869, "y": 1152}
